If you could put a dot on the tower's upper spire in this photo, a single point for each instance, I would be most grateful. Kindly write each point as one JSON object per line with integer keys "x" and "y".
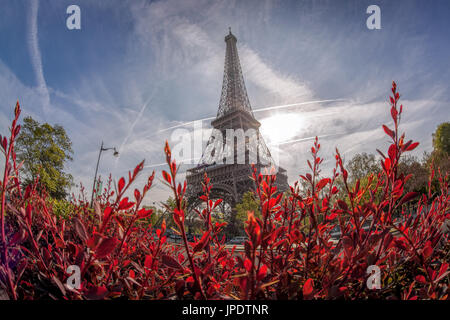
{"x": 234, "y": 95}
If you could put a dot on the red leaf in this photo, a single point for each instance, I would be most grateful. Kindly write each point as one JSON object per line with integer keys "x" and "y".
{"x": 94, "y": 240}
{"x": 392, "y": 152}
{"x": 248, "y": 265}
{"x": 322, "y": 183}
{"x": 203, "y": 241}
{"x": 179, "y": 214}
{"x": 138, "y": 168}
{"x": 80, "y": 229}
{"x": 60, "y": 243}
{"x": 125, "y": 205}
{"x": 409, "y": 196}
{"x": 173, "y": 166}
{"x": 166, "y": 177}
{"x": 308, "y": 287}
{"x": 59, "y": 284}
{"x": 4, "y": 142}
{"x": 106, "y": 247}
{"x": 219, "y": 201}
{"x": 394, "y": 113}
{"x": 388, "y": 131}
{"x": 106, "y": 214}
{"x": 171, "y": 262}
{"x": 392, "y": 100}
{"x": 421, "y": 279}
{"x": 381, "y": 153}
{"x": 29, "y": 213}
{"x": 427, "y": 251}
{"x": 342, "y": 204}
{"x": 262, "y": 272}
{"x": 121, "y": 184}
{"x": 400, "y": 244}
{"x": 412, "y": 146}
{"x": 163, "y": 226}
{"x": 97, "y": 293}
{"x": 137, "y": 195}
{"x": 334, "y": 190}
{"x": 442, "y": 272}
{"x": 144, "y": 213}
{"x": 387, "y": 163}
{"x": 17, "y": 109}
{"x": 17, "y": 130}
{"x": 332, "y": 216}
{"x": 148, "y": 261}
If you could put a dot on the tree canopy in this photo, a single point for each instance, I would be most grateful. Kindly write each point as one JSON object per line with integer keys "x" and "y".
{"x": 440, "y": 157}
{"x": 44, "y": 150}
{"x": 361, "y": 165}
{"x": 248, "y": 203}
{"x": 441, "y": 138}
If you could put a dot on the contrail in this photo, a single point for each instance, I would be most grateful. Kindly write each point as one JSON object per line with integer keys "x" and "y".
{"x": 184, "y": 124}
{"x": 305, "y": 139}
{"x": 165, "y": 163}
{"x": 35, "y": 53}
{"x": 139, "y": 116}
{"x": 296, "y": 104}
{"x": 255, "y": 110}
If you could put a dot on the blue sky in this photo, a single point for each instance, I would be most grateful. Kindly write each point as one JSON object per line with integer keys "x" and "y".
{"x": 138, "y": 67}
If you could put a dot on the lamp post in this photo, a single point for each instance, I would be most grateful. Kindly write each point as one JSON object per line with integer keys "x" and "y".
{"x": 161, "y": 217}
{"x": 116, "y": 154}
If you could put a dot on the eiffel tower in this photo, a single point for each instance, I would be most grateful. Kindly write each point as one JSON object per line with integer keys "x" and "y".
{"x": 231, "y": 179}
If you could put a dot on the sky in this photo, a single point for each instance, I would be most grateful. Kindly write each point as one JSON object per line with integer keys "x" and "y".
{"x": 138, "y": 67}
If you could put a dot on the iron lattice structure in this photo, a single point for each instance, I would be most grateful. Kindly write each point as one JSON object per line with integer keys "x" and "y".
{"x": 231, "y": 180}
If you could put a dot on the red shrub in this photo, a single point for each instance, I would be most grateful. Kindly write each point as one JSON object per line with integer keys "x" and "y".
{"x": 289, "y": 254}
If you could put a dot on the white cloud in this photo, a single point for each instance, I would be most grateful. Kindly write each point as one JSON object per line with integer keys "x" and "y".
{"x": 285, "y": 88}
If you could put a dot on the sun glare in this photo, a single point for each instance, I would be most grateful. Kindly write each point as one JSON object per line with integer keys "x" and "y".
{"x": 281, "y": 127}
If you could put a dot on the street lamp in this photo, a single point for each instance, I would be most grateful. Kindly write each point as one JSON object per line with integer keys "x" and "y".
{"x": 163, "y": 214}
{"x": 116, "y": 154}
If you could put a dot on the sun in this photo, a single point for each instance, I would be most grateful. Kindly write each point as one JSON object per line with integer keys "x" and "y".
{"x": 281, "y": 127}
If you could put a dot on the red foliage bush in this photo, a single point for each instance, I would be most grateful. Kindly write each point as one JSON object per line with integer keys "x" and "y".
{"x": 289, "y": 253}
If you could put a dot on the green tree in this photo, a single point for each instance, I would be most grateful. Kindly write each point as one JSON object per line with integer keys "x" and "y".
{"x": 441, "y": 148}
{"x": 248, "y": 203}
{"x": 440, "y": 156}
{"x": 44, "y": 150}
{"x": 166, "y": 213}
{"x": 441, "y": 138}
{"x": 361, "y": 165}
{"x": 154, "y": 218}
{"x": 411, "y": 165}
